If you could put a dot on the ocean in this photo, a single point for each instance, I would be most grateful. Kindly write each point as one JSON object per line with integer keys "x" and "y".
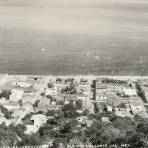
{"x": 81, "y": 37}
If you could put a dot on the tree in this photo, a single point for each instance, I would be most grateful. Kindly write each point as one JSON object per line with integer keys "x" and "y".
{"x": 50, "y": 85}
{"x": 141, "y": 92}
{"x": 26, "y": 119}
{"x": 79, "y": 104}
{"x": 36, "y": 103}
{"x": 69, "y": 110}
{"x": 6, "y": 93}
{"x": 31, "y": 140}
{"x": 59, "y": 80}
{"x": 8, "y": 137}
{"x": 5, "y": 111}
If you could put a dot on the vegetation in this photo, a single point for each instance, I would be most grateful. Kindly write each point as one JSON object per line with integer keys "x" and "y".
{"x": 69, "y": 90}
{"x": 5, "y": 93}
{"x": 141, "y": 92}
{"x": 63, "y": 127}
{"x": 113, "y": 81}
{"x": 5, "y": 111}
{"x": 50, "y": 85}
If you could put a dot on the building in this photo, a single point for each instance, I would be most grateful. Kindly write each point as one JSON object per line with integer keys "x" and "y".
{"x": 4, "y": 120}
{"x": 29, "y": 98}
{"x": 109, "y": 109}
{"x": 22, "y": 84}
{"x": 105, "y": 119}
{"x": 136, "y": 109}
{"x": 31, "y": 129}
{"x": 18, "y": 115}
{"x": 88, "y": 105}
{"x": 28, "y": 107}
{"x": 16, "y": 95}
{"x": 51, "y": 91}
{"x": 129, "y": 92}
{"x": 123, "y": 112}
{"x": 38, "y": 120}
{"x": 11, "y": 106}
{"x": 44, "y": 102}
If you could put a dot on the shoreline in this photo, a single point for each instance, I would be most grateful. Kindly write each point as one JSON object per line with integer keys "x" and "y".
{"x": 84, "y": 76}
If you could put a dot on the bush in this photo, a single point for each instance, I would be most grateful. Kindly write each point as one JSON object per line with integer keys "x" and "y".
{"x": 6, "y": 93}
{"x": 5, "y": 111}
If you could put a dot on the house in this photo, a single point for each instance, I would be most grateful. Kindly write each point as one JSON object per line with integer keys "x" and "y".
{"x": 83, "y": 120}
{"x": 44, "y": 102}
{"x": 129, "y": 92}
{"x": 60, "y": 100}
{"x": 16, "y": 95}
{"x": 109, "y": 109}
{"x": 31, "y": 129}
{"x": 100, "y": 85}
{"x": 51, "y": 92}
{"x": 18, "y": 115}
{"x": 3, "y": 100}
{"x": 29, "y": 98}
{"x": 123, "y": 112}
{"x": 4, "y": 120}
{"x": 105, "y": 119}
{"x": 43, "y": 110}
{"x": 11, "y": 106}
{"x": 87, "y": 105}
{"x": 22, "y": 84}
{"x": 28, "y": 107}
{"x": 38, "y": 119}
{"x": 136, "y": 109}
{"x": 67, "y": 102}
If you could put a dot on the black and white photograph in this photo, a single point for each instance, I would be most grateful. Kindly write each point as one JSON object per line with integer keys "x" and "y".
{"x": 73, "y": 73}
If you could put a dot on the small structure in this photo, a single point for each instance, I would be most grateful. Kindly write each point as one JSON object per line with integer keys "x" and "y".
{"x": 38, "y": 119}
{"x": 88, "y": 105}
{"x": 11, "y": 106}
{"x": 123, "y": 112}
{"x": 105, "y": 119}
{"x": 136, "y": 109}
{"x": 4, "y": 120}
{"x": 22, "y": 84}
{"x": 129, "y": 92}
{"x": 29, "y": 98}
{"x": 28, "y": 107}
{"x": 44, "y": 102}
{"x": 31, "y": 129}
{"x": 18, "y": 115}
{"x": 51, "y": 92}
{"x": 60, "y": 100}
{"x": 109, "y": 109}
{"x": 16, "y": 95}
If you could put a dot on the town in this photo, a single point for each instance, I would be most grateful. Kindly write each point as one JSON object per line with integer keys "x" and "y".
{"x": 54, "y": 107}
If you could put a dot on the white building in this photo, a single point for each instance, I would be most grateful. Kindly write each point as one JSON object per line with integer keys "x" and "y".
{"x": 11, "y": 106}
{"x": 39, "y": 119}
{"x": 22, "y": 84}
{"x": 4, "y": 120}
{"x": 51, "y": 92}
{"x": 31, "y": 129}
{"x": 16, "y": 95}
{"x": 129, "y": 92}
{"x": 109, "y": 109}
{"x": 137, "y": 108}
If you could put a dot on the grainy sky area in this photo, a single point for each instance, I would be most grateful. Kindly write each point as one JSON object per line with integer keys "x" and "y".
{"x": 69, "y": 29}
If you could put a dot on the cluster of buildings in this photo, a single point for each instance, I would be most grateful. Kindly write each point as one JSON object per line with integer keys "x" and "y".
{"x": 119, "y": 97}
{"x": 36, "y": 95}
